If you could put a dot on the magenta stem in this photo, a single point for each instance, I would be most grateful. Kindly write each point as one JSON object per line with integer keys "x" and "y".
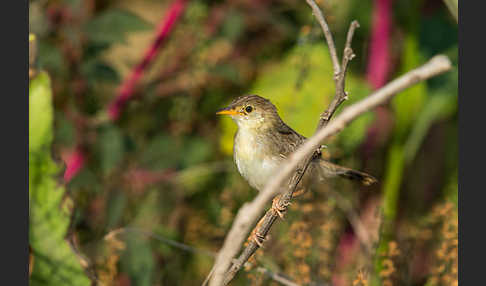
{"x": 377, "y": 73}
{"x": 77, "y": 160}
{"x": 75, "y": 163}
{"x": 379, "y": 57}
{"x": 163, "y": 31}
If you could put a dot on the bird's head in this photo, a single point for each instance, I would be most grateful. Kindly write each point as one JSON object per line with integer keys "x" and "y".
{"x": 252, "y": 112}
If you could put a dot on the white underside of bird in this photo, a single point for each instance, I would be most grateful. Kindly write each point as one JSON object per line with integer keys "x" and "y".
{"x": 250, "y": 159}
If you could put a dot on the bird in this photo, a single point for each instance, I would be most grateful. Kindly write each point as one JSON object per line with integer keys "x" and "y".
{"x": 263, "y": 142}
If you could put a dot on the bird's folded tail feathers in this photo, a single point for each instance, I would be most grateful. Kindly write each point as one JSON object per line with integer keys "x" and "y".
{"x": 331, "y": 170}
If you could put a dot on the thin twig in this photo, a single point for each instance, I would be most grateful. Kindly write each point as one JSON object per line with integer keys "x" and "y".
{"x": 327, "y": 33}
{"x": 340, "y": 94}
{"x": 182, "y": 246}
{"x": 168, "y": 241}
{"x": 249, "y": 212}
{"x": 206, "y": 280}
{"x": 277, "y": 277}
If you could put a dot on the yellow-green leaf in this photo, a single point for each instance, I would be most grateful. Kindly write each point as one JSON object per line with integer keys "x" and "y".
{"x": 301, "y": 86}
{"x": 55, "y": 262}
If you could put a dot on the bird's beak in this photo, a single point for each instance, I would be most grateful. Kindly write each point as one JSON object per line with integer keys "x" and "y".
{"x": 227, "y": 111}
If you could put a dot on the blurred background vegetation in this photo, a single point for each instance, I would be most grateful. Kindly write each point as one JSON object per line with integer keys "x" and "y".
{"x": 147, "y": 199}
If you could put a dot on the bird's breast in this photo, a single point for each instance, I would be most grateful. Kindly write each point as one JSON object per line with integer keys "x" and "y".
{"x": 254, "y": 159}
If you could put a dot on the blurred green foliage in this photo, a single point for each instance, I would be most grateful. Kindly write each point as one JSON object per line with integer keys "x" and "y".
{"x": 55, "y": 262}
{"x": 416, "y": 110}
{"x": 163, "y": 173}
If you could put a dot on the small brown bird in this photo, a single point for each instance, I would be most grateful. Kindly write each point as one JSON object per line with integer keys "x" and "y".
{"x": 263, "y": 141}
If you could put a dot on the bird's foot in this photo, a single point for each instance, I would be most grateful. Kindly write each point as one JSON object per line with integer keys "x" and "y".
{"x": 298, "y": 193}
{"x": 258, "y": 238}
{"x": 279, "y": 210}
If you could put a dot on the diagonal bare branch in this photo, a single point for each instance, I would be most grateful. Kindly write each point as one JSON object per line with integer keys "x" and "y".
{"x": 249, "y": 213}
{"x": 340, "y": 96}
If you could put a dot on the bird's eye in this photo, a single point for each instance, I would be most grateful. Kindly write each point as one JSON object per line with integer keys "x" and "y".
{"x": 248, "y": 109}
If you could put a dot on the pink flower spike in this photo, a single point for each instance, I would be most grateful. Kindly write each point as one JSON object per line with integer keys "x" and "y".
{"x": 163, "y": 31}
{"x": 74, "y": 163}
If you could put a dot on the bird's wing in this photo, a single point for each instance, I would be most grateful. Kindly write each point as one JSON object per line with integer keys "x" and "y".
{"x": 290, "y": 140}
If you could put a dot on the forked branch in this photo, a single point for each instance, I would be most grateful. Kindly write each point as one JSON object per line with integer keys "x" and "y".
{"x": 249, "y": 213}
{"x": 340, "y": 95}
{"x": 297, "y": 163}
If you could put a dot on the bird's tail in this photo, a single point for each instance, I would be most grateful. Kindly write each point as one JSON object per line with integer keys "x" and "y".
{"x": 329, "y": 169}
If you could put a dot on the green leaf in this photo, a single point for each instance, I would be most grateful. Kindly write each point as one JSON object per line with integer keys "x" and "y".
{"x": 55, "y": 262}
{"x": 451, "y": 189}
{"x": 95, "y": 71}
{"x": 64, "y": 132}
{"x": 137, "y": 260}
{"x": 51, "y": 59}
{"x": 436, "y": 108}
{"x": 110, "y": 148}
{"x": 40, "y": 109}
{"x": 409, "y": 102}
{"x": 162, "y": 152}
{"x": 226, "y": 71}
{"x": 116, "y": 205}
{"x": 196, "y": 178}
{"x": 233, "y": 25}
{"x": 196, "y": 151}
{"x": 391, "y": 192}
{"x": 93, "y": 50}
{"x": 392, "y": 181}
{"x": 113, "y": 25}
